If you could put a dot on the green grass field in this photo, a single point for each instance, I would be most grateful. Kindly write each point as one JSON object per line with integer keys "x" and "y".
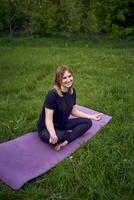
{"x": 103, "y": 167}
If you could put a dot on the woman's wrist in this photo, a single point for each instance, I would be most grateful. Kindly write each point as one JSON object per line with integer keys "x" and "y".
{"x": 89, "y": 116}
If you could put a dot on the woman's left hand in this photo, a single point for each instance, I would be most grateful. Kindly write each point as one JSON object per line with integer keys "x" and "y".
{"x": 97, "y": 117}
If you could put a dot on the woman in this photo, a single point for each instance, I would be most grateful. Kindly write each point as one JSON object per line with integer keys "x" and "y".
{"x": 54, "y": 125}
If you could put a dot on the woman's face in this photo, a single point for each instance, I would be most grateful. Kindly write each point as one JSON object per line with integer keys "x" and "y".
{"x": 67, "y": 80}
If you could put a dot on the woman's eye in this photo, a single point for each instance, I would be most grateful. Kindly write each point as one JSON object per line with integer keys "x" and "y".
{"x": 67, "y": 77}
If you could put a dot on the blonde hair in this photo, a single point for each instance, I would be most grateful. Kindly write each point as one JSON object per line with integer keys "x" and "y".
{"x": 58, "y": 79}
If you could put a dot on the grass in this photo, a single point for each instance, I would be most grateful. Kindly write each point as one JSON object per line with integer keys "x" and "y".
{"x": 102, "y": 169}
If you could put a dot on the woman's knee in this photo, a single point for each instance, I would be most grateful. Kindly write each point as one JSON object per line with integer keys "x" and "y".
{"x": 88, "y": 123}
{"x": 44, "y": 136}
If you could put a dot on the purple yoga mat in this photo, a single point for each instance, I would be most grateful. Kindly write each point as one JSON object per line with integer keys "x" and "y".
{"x": 27, "y": 157}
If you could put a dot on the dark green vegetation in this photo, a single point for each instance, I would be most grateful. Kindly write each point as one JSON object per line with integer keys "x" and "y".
{"x": 102, "y": 168}
{"x": 96, "y": 18}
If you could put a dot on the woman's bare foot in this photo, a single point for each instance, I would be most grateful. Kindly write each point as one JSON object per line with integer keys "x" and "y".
{"x": 58, "y": 146}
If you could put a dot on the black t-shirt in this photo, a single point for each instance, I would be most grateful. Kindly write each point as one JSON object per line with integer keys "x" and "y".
{"x": 62, "y": 107}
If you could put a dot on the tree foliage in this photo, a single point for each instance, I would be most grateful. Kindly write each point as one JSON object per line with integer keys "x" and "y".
{"x": 115, "y": 18}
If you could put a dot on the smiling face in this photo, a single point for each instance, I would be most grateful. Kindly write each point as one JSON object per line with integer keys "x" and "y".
{"x": 67, "y": 81}
{"x": 63, "y": 80}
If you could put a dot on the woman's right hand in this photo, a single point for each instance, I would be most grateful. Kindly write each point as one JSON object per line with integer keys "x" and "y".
{"x": 53, "y": 139}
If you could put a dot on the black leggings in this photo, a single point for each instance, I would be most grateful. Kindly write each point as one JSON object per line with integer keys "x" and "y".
{"x": 73, "y": 129}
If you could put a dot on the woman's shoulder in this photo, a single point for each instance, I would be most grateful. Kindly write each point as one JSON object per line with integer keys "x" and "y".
{"x": 74, "y": 91}
{"x": 52, "y": 92}
{"x": 50, "y": 99}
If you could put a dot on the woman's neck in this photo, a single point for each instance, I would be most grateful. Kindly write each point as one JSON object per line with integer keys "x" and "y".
{"x": 63, "y": 89}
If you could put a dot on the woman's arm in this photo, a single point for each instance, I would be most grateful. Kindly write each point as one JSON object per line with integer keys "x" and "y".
{"x": 50, "y": 125}
{"x": 77, "y": 113}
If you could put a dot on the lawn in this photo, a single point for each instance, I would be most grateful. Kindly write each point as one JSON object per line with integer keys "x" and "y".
{"x": 103, "y": 167}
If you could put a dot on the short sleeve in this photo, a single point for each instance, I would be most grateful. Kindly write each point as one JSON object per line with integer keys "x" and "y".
{"x": 51, "y": 100}
{"x": 74, "y": 93}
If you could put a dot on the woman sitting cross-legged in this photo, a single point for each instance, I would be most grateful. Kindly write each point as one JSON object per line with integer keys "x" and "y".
{"x": 54, "y": 125}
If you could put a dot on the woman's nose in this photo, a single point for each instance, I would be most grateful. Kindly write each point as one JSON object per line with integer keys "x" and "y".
{"x": 68, "y": 79}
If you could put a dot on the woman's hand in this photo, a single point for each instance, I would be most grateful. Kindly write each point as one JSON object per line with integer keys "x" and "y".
{"x": 97, "y": 117}
{"x": 53, "y": 139}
